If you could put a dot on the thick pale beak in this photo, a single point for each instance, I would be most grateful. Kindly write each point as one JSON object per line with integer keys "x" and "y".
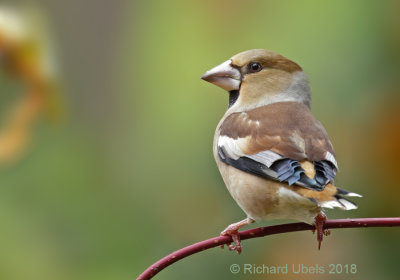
{"x": 224, "y": 76}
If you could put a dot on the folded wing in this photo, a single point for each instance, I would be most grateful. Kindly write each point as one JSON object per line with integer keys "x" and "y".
{"x": 274, "y": 140}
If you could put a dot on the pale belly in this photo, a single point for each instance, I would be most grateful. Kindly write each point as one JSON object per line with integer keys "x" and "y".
{"x": 265, "y": 199}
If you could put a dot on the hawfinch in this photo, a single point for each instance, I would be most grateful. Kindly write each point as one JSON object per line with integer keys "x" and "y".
{"x": 274, "y": 156}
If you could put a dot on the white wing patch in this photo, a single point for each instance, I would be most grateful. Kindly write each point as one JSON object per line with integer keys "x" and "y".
{"x": 265, "y": 157}
{"x": 331, "y": 158}
{"x": 232, "y": 148}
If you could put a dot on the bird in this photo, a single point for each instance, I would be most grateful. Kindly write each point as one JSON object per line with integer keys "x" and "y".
{"x": 274, "y": 156}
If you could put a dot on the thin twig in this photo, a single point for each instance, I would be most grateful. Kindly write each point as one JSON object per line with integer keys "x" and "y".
{"x": 259, "y": 232}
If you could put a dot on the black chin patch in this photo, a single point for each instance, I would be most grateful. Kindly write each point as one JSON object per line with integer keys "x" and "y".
{"x": 233, "y": 96}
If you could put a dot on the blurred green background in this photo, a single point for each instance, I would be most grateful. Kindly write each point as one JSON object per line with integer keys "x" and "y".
{"x": 129, "y": 176}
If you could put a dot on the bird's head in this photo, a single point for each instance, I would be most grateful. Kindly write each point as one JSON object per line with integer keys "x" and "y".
{"x": 260, "y": 77}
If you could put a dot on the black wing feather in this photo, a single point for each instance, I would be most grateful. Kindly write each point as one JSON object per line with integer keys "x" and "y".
{"x": 284, "y": 170}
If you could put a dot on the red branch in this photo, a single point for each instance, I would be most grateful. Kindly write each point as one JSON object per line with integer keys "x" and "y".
{"x": 259, "y": 232}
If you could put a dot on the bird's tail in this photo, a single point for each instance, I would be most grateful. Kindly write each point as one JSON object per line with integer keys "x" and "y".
{"x": 340, "y": 201}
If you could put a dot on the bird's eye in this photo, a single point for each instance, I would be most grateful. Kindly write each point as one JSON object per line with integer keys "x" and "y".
{"x": 255, "y": 67}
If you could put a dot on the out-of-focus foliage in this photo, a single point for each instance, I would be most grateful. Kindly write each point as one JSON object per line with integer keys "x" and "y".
{"x": 26, "y": 60}
{"x": 130, "y": 177}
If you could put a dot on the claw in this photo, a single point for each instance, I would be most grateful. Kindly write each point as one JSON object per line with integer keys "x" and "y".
{"x": 232, "y": 231}
{"x": 235, "y": 238}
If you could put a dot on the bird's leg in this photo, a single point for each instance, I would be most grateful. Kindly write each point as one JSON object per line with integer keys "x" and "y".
{"x": 232, "y": 230}
{"x": 319, "y": 226}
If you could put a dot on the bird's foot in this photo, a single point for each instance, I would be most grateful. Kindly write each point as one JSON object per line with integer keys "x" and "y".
{"x": 232, "y": 231}
{"x": 319, "y": 227}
